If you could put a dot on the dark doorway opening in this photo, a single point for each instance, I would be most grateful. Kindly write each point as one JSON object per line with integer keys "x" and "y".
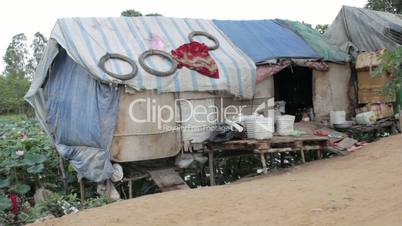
{"x": 294, "y": 85}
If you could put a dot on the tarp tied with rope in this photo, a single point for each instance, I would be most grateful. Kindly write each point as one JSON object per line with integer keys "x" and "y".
{"x": 86, "y": 40}
{"x": 71, "y": 93}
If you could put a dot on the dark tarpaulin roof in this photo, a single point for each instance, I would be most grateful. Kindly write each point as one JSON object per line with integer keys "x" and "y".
{"x": 365, "y": 30}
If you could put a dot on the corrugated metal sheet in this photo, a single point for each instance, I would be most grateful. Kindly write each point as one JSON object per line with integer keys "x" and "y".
{"x": 264, "y": 40}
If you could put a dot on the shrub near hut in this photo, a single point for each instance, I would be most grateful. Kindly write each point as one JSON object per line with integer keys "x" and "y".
{"x": 27, "y": 162}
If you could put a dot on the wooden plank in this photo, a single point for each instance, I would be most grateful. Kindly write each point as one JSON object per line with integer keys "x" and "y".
{"x": 211, "y": 168}
{"x": 400, "y": 118}
{"x": 347, "y": 143}
{"x": 312, "y": 147}
{"x": 167, "y": 179}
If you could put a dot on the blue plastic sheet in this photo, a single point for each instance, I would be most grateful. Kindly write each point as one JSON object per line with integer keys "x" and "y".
{"x": 264, "y": 40}
{"x": 82, "y": 114}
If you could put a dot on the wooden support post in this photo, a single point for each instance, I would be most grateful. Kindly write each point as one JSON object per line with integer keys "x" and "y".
{"x": 130, "y": 189}
{"x": 82, "y": 190}
{"x": 299, "y": 145}
{"x": 263, "y": 162}
{"x": 302, "y": 154}
{"x": 319, "y": 154}
{"x": 211, "y": 168}
{"x": 63, "y": 175}
{"x": 400, "y": 118}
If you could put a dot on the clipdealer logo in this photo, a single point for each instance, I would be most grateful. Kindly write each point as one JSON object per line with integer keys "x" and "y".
{"x": 163, "y": 114}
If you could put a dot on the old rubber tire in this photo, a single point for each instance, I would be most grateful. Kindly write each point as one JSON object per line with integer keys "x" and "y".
{"x": 163, "y": 54}
{"x": 210, "y": 37}
{"x": 109, "y": 56}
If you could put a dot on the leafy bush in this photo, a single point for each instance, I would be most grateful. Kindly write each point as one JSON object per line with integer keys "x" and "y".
{"x": 29, "y": 162}
{"x": 12, "y": 92}
{"x": 25, "y": 154}
{"x": 393, "y": 65}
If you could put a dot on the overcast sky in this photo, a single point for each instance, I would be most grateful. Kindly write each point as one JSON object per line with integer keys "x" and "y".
{"x": 30, "y": 16}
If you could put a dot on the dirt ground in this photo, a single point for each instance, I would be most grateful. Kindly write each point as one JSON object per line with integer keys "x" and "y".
{"x": 363, "y": 188}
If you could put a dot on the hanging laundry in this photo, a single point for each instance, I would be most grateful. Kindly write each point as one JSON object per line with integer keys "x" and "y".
{"x": 195, "y": 56}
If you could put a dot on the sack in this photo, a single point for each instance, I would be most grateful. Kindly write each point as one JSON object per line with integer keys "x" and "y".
{"x": 223, "y": 133}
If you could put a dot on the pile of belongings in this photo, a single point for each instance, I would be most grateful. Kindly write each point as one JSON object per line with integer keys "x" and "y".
{"x": 340, "y": 141}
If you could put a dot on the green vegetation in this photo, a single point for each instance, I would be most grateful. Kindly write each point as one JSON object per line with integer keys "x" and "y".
{"x": 28, "y": 162}
{"x": 393, "y": 65}
{"x": 391, "y": 6}
{"x": 21, "y": 63}
{"x": 135, "y": 13}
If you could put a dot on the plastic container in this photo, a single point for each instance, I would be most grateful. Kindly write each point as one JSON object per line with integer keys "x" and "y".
{"x": 259, "y": 127}
{"x": 337, "y": 117}
{"x": 366, "y": 118}
{"x": 285, "y": 124}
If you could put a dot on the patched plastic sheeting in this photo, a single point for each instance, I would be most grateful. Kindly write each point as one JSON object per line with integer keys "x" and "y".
{"x": 363, "y": 30}
{"x": 319, "y": 43}
{"x": 81, "y": 116}
{"x": 264, "y": 40}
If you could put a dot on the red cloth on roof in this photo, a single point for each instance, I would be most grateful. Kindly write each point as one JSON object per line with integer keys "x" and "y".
{"x": 195, "y": 56}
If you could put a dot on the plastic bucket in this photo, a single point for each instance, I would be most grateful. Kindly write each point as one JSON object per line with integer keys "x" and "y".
{"x": 285, "y": 124}
{"x": 337, "y": 117}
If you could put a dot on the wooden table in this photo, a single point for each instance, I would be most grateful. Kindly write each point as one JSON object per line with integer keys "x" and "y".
{"x": 273, "y": 145}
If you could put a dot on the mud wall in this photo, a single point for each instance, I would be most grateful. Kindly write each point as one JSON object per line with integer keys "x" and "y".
{"x": 332, "y": 90}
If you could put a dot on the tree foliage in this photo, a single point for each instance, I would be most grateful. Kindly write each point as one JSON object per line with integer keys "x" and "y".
{"x": 12, "y": 91}
{"x": 322, "y": 28}
{"x": 16, "y": 56}
{"x": 19, "y": 69}
{"x": 153, "y": 14}
{"x": 38, "y": 48}
{"x": 135, "y": 13}
{"x": 392, "y": 6}
{"x": 131, "y": 13}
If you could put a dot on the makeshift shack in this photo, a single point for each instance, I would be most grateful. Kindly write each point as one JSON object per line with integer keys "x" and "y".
{"x": 365, "y": 34}
{"x": 305, "y": 70}
{"x": 94, "y": 117}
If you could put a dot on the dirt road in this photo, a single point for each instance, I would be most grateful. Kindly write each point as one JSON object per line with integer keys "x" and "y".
{"x": 363, "y": 188}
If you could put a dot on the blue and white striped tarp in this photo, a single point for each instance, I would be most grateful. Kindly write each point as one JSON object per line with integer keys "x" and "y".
{"x": 86, "y": 40}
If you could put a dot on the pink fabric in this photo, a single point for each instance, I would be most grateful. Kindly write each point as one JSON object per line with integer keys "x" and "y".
{"x": 318, "y": 66}
{"x": 157, "y": 42}
{"x": 265, "y": 71}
